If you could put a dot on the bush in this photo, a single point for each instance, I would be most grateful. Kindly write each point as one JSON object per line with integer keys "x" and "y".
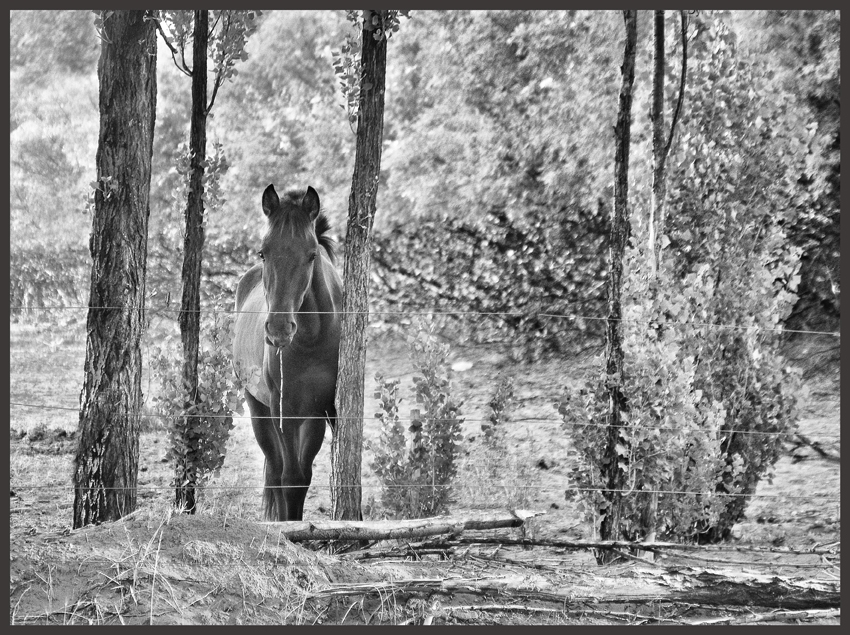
{"x": 509, "y": 268}
{"x": 416, "y": 466}
{"x": 199, "y": 425}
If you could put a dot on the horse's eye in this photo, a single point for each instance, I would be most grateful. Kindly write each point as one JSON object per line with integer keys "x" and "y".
{"x": 312, "y": 257}
{"x": 260, "y": 254}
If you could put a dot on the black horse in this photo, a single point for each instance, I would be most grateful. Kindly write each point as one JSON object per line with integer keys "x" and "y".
{"x": 287, "y": 328}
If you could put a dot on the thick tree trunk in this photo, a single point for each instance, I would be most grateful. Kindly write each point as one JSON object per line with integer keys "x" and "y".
{"x": 617, "y": 445}
{"x": 106, "y": 463}
{"x": 347, "y": 442}
{"x": 193, "y": 245}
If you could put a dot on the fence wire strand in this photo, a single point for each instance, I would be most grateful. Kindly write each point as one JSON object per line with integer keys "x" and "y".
{"x": 145, "y": 415}
{"x": 544, "y": 488}
{"x": 514, "y": 314}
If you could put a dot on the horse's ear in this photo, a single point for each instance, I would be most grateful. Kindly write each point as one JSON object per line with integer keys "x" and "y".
{"x": 310, "y": 203}
{"x": 270, "y": 200}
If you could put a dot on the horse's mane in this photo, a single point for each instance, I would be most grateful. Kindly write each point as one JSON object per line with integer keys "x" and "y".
{"x": 290, "y": 214}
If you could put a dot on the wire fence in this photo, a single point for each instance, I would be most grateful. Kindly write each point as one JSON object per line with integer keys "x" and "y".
{"x": 440, "y": 312}
{"x": 367, "y": 486}
{"x": 538, "y": 420}
{"x": 530, "y": 420}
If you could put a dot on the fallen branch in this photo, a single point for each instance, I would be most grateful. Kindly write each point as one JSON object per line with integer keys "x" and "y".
{"x": 750, "y": 563}
{"x": 698, "y": 587}
{"x": 816, "y": 446}
{"x": 398, "y": 529}
{"x": 615, "y": 544}
{"x": 774, "y": 616}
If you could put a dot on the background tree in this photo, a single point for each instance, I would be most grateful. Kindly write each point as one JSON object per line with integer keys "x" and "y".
{"x": 106, "y": 462}
{"x": 228, "y": 34}
{"x": 801, "y": 49}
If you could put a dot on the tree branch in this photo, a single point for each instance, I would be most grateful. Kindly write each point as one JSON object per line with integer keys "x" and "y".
{"x": 219, "y": 75}
{"x": 681, "y": 82}
{"x": 183, "y": 69}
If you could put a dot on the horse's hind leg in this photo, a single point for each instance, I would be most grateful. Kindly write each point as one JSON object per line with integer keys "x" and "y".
{"x": 268, "y": 439}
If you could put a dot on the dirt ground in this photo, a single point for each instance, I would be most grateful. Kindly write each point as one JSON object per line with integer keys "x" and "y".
{"x": 165, "y": 568}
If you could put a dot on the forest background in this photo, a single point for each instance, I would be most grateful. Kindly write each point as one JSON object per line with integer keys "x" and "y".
{"x": 496, "y": 181}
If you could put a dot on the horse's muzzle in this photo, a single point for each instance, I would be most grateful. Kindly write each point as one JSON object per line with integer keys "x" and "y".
{"x": 279, "y": 341}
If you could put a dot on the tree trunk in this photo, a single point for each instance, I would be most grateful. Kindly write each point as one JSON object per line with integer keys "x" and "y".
{"x": 617, "y": 445}
{"x": 346, "y": 447}
{"x": 656, "y": 116}
{"x": 656, "y": 211}
{"x": 193, "y": 245}
{"x": 106, "y": 463}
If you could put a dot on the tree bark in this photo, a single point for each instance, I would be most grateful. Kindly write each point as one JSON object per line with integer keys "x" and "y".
{"x": 193, "y": 246}
{"x": 346, "y": 447}
{"x": 106, "y": 462}
{"x": 613, "y": 472}
{"x": 656, "y": 116}
{"x": 656, "y": 210}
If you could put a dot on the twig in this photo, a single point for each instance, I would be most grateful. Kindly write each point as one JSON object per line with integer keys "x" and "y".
{"x": 501, "y": 607}
{"x": 155, "y": 565}
{"x": 814, "y": 445}
{"x": 814, "y": 565}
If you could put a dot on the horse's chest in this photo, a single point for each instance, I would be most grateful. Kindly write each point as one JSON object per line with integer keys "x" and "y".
{"x": 307, "y": 385}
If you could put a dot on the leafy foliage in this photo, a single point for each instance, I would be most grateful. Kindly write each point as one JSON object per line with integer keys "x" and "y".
{"x": 508, "y": 268}
{"x": 488, "y": 113}
{"x": 40, "y": 276}
{"x": 500, "y": 404}
{"x": 199, "y": 425}
{"x": 346, "y": 63}
{"x": 42, "y": 40}
{"x": 416, "y": 467}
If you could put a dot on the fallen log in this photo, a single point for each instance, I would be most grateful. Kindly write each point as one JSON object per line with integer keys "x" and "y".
{"x": 702, "y": 588}
{"x": 622, "y": 544}
{"x": 301, "y": 530}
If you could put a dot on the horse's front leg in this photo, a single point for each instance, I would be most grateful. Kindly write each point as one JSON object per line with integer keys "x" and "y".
{"x": 311, "y": 434}
{"x": 293, "y": 482}
{"x": 268, "y": 438}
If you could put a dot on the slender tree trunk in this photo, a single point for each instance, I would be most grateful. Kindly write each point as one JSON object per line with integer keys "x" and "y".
{"x": 106, "y": 463}
{"x": 346, "y": 447}
{"x": 656, "y": 209}
{"x": 656, "y": 116}
{"x": 193, "y": 246}
{"x": 617, "y": 445}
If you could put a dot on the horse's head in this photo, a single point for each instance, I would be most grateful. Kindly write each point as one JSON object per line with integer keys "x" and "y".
{"x": 289, "y": 251}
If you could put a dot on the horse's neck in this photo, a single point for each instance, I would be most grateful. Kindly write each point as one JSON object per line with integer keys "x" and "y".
{"x": 318, "y": 311}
